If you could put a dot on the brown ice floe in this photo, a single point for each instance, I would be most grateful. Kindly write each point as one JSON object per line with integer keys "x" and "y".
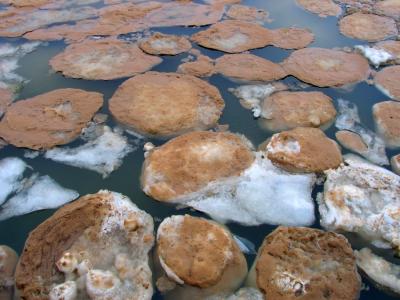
{"x": 323, "y": 8}
{"x": 390, "y": 8}
{"x": 196, "y": 259}
{"x": 387, "y": 81}
{"x": 352, "y": 141}
{"x": 8, "y": 262}
{"x": 103, "y": 59}
{"x": 247, "y": 13}
{"x": 16, "y": 22}
{"x": 131, "y": 17}
{"x": 166, "y": 104}
{"x": 94, "y": 248}
{"x": 202, "y": 156}
{"x": 5, "y": 99}
{"x": 248, "y": 67}
{"x": 387, "y": 122}
{"x": 362, "y": 198}
{"x": 304, "y": 149}
{"x": 235, "y": 36}
{"x": 202, "y": 67}
{"x": 395, "y": 163}
{"x": 50, "y": 119}
{"x": 305, "y": 263}
{"x": 287, "y": 110}
{"x": 368, "y": 27}
{"x": 164, "y": 44}
{"x": 327, "y": 67}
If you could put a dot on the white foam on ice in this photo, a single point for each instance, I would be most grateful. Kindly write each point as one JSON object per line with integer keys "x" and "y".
{"x": 252, "y": 96}
{"x": 375, "y": 55}
{"x": 41, "y": 193}
{"x": 163, "y": 43}
{"x": 288, "y": 146}
{"x": 349, "y": 119}
{"x": 11, "y": 173}
{"x": 262, "y": 194}
{"x": 232, "y": 42}
{"x": 104, "y": 154}
{"x": 363, "y": 198}
{"x": 379, "y": 270}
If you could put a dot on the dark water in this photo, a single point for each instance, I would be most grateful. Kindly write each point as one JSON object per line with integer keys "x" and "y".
{"x": 34, "y": 66}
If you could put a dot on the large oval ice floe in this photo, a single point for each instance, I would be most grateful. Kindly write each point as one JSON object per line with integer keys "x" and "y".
{"x": 323, "y": 8}
{"x": 385, "y": 275}
{"x": 219, "y": 174}
{"x": 166, "y": 104}
{"x": 362, "y": 198}
{"x": 196, "y": 258}
{"x": 164, "y": 44}
{"x": 387, "y": 81}
{"x": 287, "y": 110}
{"x": 326, "y": 67}
{"x": 8, "y": 262}
{"x": 305, "y": 263}
{"x": 387, "y": 122}
{"x": 234, "y": 36}
{"x": 304, "y": 149}
{"x": 368, "y": 27}
{"x": 50, "y": 119}
{"x": 96, "y": 247}
{"x": 248, "y": 67}
{"x": 103, "y": 59}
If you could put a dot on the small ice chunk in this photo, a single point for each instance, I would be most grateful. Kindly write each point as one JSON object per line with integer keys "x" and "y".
{"x": 349, "y": 119}
{"x": 11, "y": 172}
{"x": 375, "y": 55}
{"x": 65, "y": 291}
{"x": 252, "y": 96}
{"x": 43, "y": 193}
{"x": 382, "y": 272}
{"x": 263, "y": 194}
{"x": 245, "y": 245}
{"x": 103, "y": 154}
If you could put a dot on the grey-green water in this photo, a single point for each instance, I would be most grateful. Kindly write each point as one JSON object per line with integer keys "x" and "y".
{"x": 34, "y": 66}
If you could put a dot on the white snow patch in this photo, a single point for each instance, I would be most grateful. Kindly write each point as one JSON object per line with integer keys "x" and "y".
{"x": 349, "y": 119}
{"x": 104, "y": 154}
{"x": 263, "y": 194}
{"x": 375, "y": 55}
{"x": 288, "y": 146}
{"x": 379, "y": 270}
{"x": 161, "y": 44}
{"x": 11, "y": 172}
{"x": 232, "y": 42}
{"x": 252, "y": 96}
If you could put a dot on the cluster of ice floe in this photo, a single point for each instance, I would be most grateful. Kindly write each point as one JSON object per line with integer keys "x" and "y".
{"x": 21, "y": 194}
{"x": 349, "y": 119}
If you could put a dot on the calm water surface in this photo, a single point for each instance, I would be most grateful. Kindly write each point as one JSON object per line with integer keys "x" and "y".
{"x": 284, "y": 13}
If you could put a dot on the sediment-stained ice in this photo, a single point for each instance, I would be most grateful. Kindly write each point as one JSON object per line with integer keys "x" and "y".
{"x": 349, "y": 119}
{"x": 103, "y": 154}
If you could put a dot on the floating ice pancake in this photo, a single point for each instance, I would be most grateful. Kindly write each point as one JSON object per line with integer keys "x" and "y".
{"x": 247, "y": 13}
{"x": 305, "y": 263}
{"x": 304, "y": 149}
{"x": 217, "y": 173}
{"x": 390, "y": 8}
{"x": 5, "y": 99}
{"x": 96, "y": 247}
{"x": 104, "y": 154}
{"x": 349, "y": 120}
{"x": 395, "y": 162}
{"x": 199, "y": 258}
{"x": 163, "y": 44}
{"x": 234, "y": 36}
{"x": 287, "y": 110}
{"x": 202, "y": 67}
{"x": 323, "y": 8}
{"x": 166, "y": 104}
{"x": 387, "y": 122}
{"x": 248, "y": 67}
{"x": 368, "y": 27}
{"x": 383, "y": 274}
{"x": 291, "y": 38}
{"x": 50, "y": 119}
{"x": 387, "y": 80}
{"x": 103, "y": 59}
{"x": 8, "y": 262}
{"x": 18, "y": 22}
{"x": 362, "y": 198}
{"x": 326, "y": 67}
